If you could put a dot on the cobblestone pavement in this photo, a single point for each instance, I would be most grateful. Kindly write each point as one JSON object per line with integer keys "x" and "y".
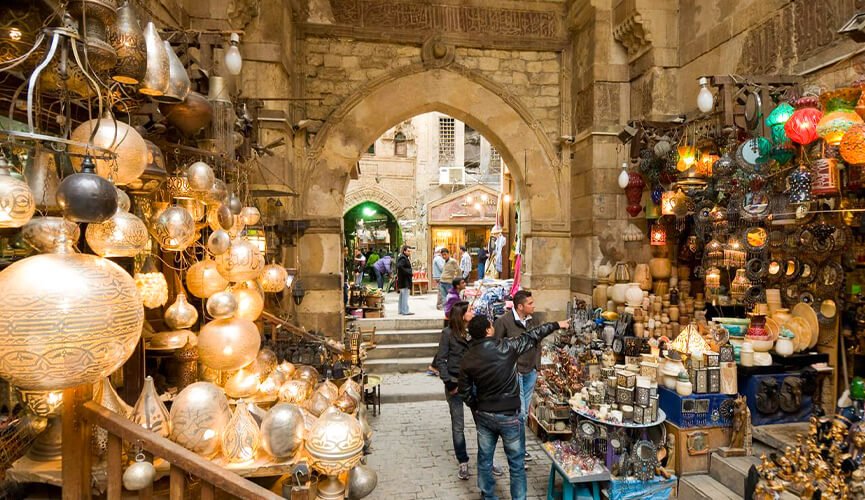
{"x": 413, "y": 456}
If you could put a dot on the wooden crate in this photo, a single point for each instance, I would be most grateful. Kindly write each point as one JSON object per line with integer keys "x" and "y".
{"x": 694, "y": 447}
{"x": 373, "y": 313}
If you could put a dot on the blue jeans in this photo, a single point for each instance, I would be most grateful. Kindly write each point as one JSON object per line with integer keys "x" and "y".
{"x": 444, "y": 288}
{"x": 358, "y": 278}
{"x": 527, "y": 388}
{"x": 455, "y": 404}
{"x": 403, "y": 300}
{"x": 379, "y": 278}
{"x": 489, "y": 427}
{"x": 481, "y": 270}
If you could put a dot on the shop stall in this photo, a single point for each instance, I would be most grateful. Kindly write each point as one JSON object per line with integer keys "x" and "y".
{"x": 735, "y": 311}
{"x": 145, "y": 302}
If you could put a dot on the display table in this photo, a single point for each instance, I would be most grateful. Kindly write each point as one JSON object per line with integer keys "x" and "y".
{"x": 569, "y": 481}
{"x": 633, "y": 489}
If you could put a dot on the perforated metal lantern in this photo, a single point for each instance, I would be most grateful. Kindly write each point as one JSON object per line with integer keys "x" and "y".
{"x": 67, "y": 319}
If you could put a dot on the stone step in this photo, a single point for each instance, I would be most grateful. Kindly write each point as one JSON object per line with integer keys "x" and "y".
{"x": 401, "y": 323}
{"x": 704, "y": 487}
{"x": 397, "y": 365}
{"x": 390, "y": 337}
{"x": 732, "y": 471}
{"x": 399, "y": 351}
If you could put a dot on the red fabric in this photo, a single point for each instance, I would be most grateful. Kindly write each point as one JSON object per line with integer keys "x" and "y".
{"x": 518, "y": 264}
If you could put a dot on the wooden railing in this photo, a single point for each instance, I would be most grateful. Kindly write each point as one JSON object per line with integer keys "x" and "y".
{"x": 79, "y": 413}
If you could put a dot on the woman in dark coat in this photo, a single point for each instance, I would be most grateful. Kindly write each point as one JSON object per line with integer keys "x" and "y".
{"x": 452, "y": 346}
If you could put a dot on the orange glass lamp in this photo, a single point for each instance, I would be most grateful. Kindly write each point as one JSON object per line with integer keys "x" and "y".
{"x": 658, "y": 235}
{"x": 853, "y": 145}
{"x": 690, "y": 341}
{"x": 704, "y": 166}
{"x": 687, "y": 157}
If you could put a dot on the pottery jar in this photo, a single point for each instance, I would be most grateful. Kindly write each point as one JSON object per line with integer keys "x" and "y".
{"x": 643, "y": 276}
{"x": 622, "y": 273}
{"x": 746, "y": 355}
{"x": 683, "y": 384}
{"x": 617, "y": 293}
{"x": 784, "y": 344}
{"x": 782, "y": 316}
{"x": 599, "y": 295}
{"x": 634, "y": 295}
{"x": 661, "y": 268}
{"x": 639, "y": 329}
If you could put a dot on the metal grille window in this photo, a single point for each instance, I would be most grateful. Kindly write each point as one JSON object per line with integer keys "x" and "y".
{"x": 447, "y": 153}
{"x": 400, "y": 146}
{"x": 495, "y": 160}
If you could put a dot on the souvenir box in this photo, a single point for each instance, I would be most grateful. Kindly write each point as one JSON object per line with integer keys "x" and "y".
{"x": 697, "y": 410}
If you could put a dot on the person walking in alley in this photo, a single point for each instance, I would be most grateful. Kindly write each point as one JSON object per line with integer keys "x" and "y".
{"x": 382, "y": 269}
{"x": 457, "y": 286}
{"x": 404, "y": 275}
{"x": 359, "y": 266}
{"x": 512, "y": 324}
{"x": 450, "y": 271}
{"x": 438, "y": 265}
{"x": 465, "y": 262}
{"x": 452, "y": 347}
{"x": 482, "y": 261}
{"x": 489, "y": 385}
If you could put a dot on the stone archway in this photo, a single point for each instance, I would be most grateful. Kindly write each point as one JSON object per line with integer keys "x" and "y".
{"x": 377, "y": 195}
{"x": 485, "y": 106}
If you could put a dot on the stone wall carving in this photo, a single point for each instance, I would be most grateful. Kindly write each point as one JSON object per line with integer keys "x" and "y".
{"x": 767, "y": 47}
{"x": 634, "y": 36}
{"x": 467, "y": 19}
{"x": 817, "y": 23}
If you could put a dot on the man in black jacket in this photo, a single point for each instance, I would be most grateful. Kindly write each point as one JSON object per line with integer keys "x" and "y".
{"x": 512, "y": 324}
{"x": 489, "y": 385}
{"x": 404, "y": 275}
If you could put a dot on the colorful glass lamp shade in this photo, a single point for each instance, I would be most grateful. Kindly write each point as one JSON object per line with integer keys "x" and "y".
{"x": 832, "y": 126}
{"x": 687, "y": 157}
{"x": 853, "y": 145}
{"x": 658, "y": 235}
{"x": 799, "y": 185}
{"x": 801, "y": 128}
{"x": 634, "y": 193}
{"x": 776, "y": 121}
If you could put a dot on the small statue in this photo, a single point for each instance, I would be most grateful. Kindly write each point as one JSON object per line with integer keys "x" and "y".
{"x": 671, "y": 451}
{"x": 857, "y": 483}
{"x": 741, "y": 437}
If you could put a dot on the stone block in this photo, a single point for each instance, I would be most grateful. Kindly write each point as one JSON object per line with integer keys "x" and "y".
{"x": 604, "y": 206}
{"x": 544, "y": 78}
{"x": 550, "y": 91}
{"x": 488, "y": 64}
{"x": 520, "y": 78}
{"x": 357, "y": 76}
{"x": 332, "y": 61}
{"x": 313, "y": 59}
{"x": 350, "y": 62}
{"x": 513, "y": 64}
{"x": 551, "y": 66}
{"x": 535, "y": 67}
{"x": 529, "y": 56}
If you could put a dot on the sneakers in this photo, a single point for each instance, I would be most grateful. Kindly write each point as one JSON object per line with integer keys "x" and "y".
{"x": 463, "y": 472}
{"x": 497, "y": 470}
{"x": 528, "y": 457}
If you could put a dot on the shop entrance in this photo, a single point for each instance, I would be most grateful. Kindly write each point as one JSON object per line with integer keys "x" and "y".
{"x": 369, "y": 226}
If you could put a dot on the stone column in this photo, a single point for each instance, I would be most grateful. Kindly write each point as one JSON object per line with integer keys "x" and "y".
{"x": 320, "y": 255}
{"x": 601, "y": 106}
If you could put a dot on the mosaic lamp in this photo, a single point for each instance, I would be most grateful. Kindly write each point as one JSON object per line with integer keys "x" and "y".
{"x": 67, "y": 319}
{"x": 658, "y": 236}
{"x": 853, "y": 145}
{"x": 832, "y": 126}
{"x": 335, "y": 445}
{"x": 17, "y": 205}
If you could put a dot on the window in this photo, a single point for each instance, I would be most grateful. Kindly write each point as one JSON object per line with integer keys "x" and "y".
{"x": 447, "y": 152}
{"x": 495, "y": 160}
{"x": 371, "y": 149}
{"x": 400, "y": 146}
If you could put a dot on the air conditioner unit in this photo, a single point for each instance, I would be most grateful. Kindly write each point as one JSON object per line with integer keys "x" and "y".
{"x": 449, "y": 176}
